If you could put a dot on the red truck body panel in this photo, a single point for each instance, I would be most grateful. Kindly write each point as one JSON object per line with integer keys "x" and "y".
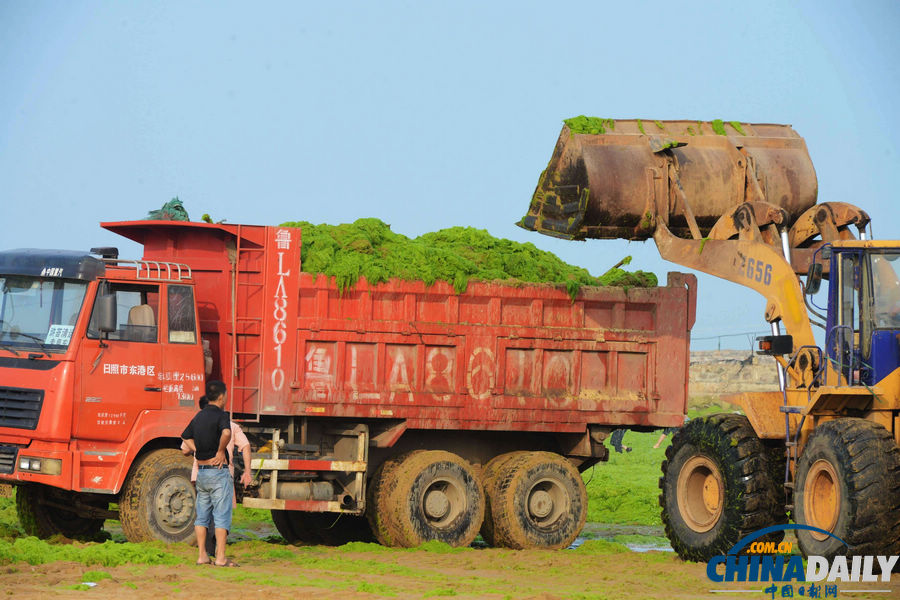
{"x": 499, "y": 356}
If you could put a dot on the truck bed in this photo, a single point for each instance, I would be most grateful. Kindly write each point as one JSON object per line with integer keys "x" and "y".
{"x": 500, "y": 356}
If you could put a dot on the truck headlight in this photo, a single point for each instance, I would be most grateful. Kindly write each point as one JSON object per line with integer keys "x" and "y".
{"x": 47, "y": 466}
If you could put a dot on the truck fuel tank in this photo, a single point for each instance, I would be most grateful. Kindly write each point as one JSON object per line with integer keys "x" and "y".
{"x": 608, "y": 179}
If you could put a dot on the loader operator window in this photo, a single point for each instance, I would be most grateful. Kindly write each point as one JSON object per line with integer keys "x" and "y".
{"x": 137, "y": 311}
{"x": 182, "y": 324}
{"x": 886, "y": 283}
{"x": 845, "y": 336}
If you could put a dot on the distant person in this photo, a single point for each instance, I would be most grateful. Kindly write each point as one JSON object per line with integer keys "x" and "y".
{"x": 208, "y": 435}
{"x": 616, "y": 441}
{"x": 239, "y": 440}
{"x": 668, "y": 431}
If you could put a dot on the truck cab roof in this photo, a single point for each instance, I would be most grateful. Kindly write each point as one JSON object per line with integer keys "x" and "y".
{"x": 65, "y": 264}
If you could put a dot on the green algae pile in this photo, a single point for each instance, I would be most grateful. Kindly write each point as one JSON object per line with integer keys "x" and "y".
{"x": 598, "y": 126}
{"x": 368, "y": 248}
{"x": 589, "y": 125}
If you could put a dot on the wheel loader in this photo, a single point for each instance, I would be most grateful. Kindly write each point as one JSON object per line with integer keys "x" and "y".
{"x": 739, "y": 201}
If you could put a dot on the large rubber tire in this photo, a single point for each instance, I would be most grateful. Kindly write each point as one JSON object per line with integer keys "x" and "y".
{"x": 489, "y": 476}
{"x": 377, "y": 498}
{"x": 158, "y": 501}
{"x": 293, "y": 529}
{"x": 331, "y": 529}
{"x": 848, "y": 483}
{"x": 336, "y": 529}
{"x": 538, "y": 500}
{"x": 43, "y": 521}
{"x": 719, "y": 483}
{"x": 430, "y": 495}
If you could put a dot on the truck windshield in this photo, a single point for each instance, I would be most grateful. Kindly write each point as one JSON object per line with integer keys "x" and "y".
{"x": 38, "y": 313}
{"x": 886, "y": 292}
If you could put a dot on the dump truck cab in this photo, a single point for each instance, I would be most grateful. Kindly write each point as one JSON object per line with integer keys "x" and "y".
{"x": 100, "y": 362}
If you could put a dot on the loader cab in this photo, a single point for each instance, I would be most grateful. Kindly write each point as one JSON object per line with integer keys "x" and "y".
{"x": 863, "y": 320}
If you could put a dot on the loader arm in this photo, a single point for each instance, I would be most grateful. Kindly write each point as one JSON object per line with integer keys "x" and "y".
{"x": 751, "y": 263}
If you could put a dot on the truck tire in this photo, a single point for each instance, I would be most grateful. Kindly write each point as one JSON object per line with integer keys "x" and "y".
{"x": 293, "y": 528}
{"x": 719, "y": 483}
{"x": 331, "y": 529}
{"x": 538, "y": 500}
{"x": 337, "y": 529}
{"x": 491, "y": 470}
{"x": 848, "y": 483}
{"x": 431, "y": 495}
{"x": 43, "y": 521}
{"x": 377, "y": 507}
{"x": 158, "y": 500}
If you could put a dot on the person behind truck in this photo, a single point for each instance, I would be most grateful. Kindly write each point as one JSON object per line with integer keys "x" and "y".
{"x": 238, "y": 440}
{"x": 616, "y": 440}
{"x": 667, "y": 432}
{"x": 208, "y": 434}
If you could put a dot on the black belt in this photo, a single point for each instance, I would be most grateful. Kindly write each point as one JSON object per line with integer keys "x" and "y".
{"x": 211, "y": 467}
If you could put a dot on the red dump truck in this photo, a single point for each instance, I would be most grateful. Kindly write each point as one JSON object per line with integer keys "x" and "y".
{"x": 400, "y": 410}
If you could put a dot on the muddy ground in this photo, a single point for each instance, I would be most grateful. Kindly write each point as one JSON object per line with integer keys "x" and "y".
{"x": 597, "y": 569}
{"x": 287, "y": 572}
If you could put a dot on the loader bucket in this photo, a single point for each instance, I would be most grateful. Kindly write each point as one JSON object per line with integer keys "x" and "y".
{"x": 615, "y": 179}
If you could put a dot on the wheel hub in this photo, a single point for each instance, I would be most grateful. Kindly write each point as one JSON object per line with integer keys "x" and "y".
{"x": 443, "y": 501}
{"x": 821, "y": 498}
{"x": 547, "y": 501}
{"x": 437, "y": 505}
{"x": 540, "y": 504}
{"x": 700, "y": 493}
{"x": 174, "y": 502}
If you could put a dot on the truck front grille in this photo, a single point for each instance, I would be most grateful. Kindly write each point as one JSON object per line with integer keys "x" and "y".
{"x": 7, "y": 459}
{"x": 20, "y": 408}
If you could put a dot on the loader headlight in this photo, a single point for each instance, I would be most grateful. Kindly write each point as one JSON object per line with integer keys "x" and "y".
{"x": 47, "y": 466}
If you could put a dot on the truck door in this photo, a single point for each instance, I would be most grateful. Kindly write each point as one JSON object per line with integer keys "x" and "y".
{"x": 182, "y": 376}
{"x": 121, "y": 375}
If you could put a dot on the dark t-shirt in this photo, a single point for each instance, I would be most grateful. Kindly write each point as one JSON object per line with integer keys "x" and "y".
{"x": 206, "y": 429}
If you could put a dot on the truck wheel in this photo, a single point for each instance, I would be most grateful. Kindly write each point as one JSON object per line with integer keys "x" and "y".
{"x": 718, "y": 484}
{"x": 158, "y": 500}
{"x": 332, "y": 529}
{"x": 538, "y": 500}
{"x": 491, "y": 470}
{"x": 432, "y": 495}
{"x": 377, "y": 507}
{"x": 42, "y": 520}
{"x": 336, "y": 529}
{"x": 293, "y": 528}
{"x": 848, "y": 483}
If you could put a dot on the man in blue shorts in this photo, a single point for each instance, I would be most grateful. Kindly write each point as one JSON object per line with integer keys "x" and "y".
{"x": 208, "y": 434}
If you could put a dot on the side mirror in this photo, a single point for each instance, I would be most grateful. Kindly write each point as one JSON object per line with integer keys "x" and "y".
{"x": 776, "y": 345}
{"x": 814, "y": 279}
{"x": 106, "y": 313}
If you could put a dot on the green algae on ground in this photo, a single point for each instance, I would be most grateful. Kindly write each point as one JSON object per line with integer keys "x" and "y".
{"x": 737, "y": 127}
{"x": 718, "y": 126}
{"x": 108, "y": 554}
{"x": 438, "y": 547}
{"x": 368, "y": 248}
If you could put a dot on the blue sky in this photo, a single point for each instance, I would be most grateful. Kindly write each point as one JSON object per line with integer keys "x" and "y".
{"x": 423, "y": 114}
